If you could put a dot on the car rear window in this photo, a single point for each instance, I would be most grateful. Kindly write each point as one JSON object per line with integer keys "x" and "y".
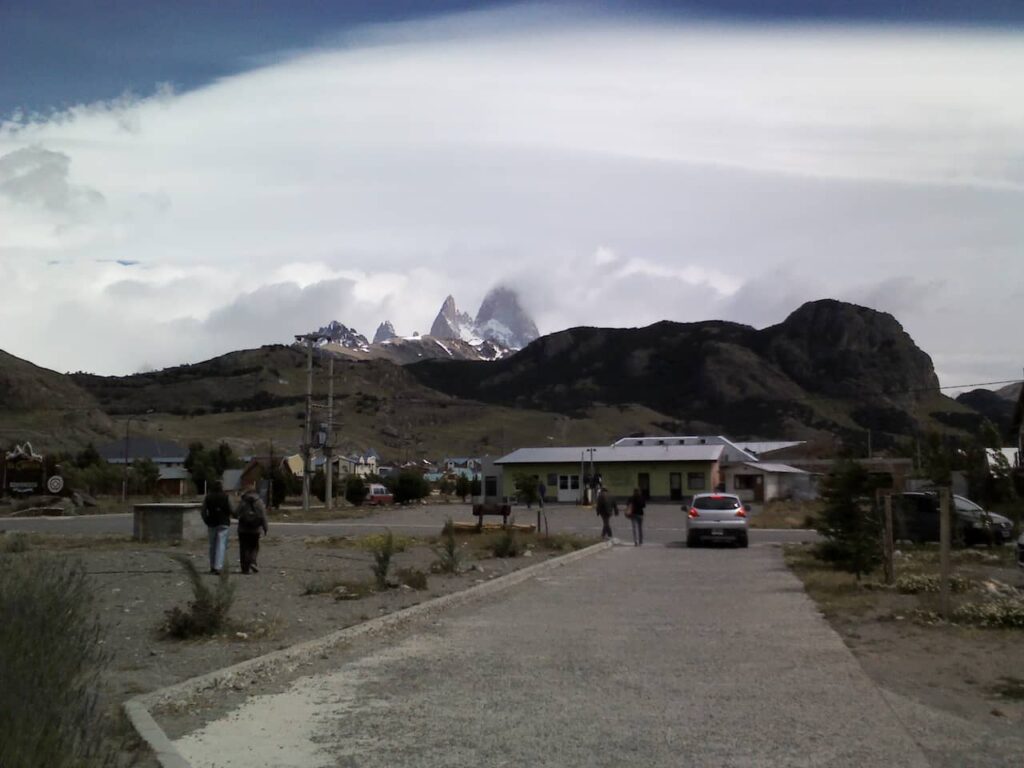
{"x": 716, "y": 502}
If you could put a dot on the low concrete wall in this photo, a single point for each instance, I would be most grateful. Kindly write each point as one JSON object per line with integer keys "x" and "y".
{"x": 168, "y": 522}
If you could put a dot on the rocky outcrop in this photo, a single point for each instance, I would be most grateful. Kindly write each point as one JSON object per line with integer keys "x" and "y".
{"x": 384, "y": 332}
{"x": 450, "y": 323}
{"x": 342, "y": 336}
{"x": 502, "y": 320}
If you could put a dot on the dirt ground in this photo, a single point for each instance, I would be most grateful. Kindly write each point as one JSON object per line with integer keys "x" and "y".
{"x": 972, "y": 672}
{"x": 290, "y": 600}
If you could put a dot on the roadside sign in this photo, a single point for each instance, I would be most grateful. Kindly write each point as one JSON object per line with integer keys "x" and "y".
{"x": 55, "y": 484}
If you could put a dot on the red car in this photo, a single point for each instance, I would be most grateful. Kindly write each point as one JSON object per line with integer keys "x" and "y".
{"x": 379, "y": 494}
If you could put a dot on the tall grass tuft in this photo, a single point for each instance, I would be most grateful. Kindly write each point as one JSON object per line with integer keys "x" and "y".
{"x": 207, "y": 613}
{"x": 507, "y": 544}
{"x": 51, "y": 659}
{"x": 449, "y": 559}
{"x": 382, "y": 551}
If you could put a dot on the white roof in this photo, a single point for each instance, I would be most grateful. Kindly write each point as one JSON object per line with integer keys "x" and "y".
{"x": 767, "y": 446}
{"x": 611, "y": 454}
{"x": 764, "y": 466}
{"x": 732, "y": 451}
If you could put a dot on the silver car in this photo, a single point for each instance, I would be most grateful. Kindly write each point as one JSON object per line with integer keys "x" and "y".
{"x": 716, "y": 517}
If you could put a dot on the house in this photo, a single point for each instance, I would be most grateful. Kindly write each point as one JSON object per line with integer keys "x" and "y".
{"x": 174, "y": 481}
{"x": 466, "y": 467}
{"x": 743, "y": 472}
{"x": 662, "y": 472}
{"x": 163, "y": 453}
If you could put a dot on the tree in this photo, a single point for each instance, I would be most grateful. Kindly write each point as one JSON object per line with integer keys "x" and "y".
{"x": 145, "y": 474}
{"x": 527, "y": 487}
{"x": 410, "y": 486}
{"x": 282, "y": 485}
{"x": 355, "y": 490}
{"x": 446, "y": 486}
{"x": 462, "y": 487}
{"x": 88, "y": 457}
{"x": 850, "y": 521}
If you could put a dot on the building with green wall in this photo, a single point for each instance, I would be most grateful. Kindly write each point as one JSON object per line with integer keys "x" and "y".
{"x": 662, "y": 472}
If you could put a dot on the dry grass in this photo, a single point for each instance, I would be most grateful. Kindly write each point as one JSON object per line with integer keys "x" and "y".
{"x": 786, "y": 514}
{"x": 835, "y": 592}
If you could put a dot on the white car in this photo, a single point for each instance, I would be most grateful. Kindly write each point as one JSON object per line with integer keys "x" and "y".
{"x": 716, "y": 517}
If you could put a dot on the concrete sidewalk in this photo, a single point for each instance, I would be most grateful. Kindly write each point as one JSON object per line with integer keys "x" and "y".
{"x": 656, "y": 656}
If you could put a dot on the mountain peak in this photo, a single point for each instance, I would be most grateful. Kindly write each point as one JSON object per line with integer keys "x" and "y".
{"x": 501, "y": 319}
{"x": 450, "y": 323}
{"x": 340, "y": 334}
{"x": 384, "y": 332}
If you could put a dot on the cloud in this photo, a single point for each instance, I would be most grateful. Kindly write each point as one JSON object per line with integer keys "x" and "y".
{"x": 615, "y": 172}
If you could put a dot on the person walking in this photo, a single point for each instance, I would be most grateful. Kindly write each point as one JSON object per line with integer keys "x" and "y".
{"x": 605, "y": 507}
{"x": 216, "y": 513}
{"x": 636, "y": 516}
{"x": 252, "y": 518}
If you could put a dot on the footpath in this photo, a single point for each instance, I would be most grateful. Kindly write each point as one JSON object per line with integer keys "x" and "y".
{"x": 652, "y": 656}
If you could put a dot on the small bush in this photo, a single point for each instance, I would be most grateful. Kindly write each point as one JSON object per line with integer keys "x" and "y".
{"x": 564, "y": 542}
{"x": 207, "y": 614}
{"x": 374, "y": 542}
{"x": 410, "y": 486}
{"x": 50, "y": 666}
{"x": 356, "y": 490}
{"x": 1002, "y": 613}
{"x": 449, "y": 559}
{"x": 382, "y": 554}
{"x": 412, "y": 577}
{"x": 913, "y": 584}
{"x": 507, "y": 544}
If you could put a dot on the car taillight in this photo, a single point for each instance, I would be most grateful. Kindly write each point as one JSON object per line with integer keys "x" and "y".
{"x": 693, "y": 512}
{"x": 741, "y": 512}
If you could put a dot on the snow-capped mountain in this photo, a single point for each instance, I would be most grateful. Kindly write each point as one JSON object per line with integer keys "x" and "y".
{"x": 342, "y": 336}
{"x": 500, "y": 321}
{"x": 384, "y": 332}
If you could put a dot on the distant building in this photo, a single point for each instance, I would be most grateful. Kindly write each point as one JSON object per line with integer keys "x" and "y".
{"x": 163, "y": 453}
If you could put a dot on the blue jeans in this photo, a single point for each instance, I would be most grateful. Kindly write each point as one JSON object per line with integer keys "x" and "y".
{"x": 218, "y": 545}
{"x": 638, "y": 529}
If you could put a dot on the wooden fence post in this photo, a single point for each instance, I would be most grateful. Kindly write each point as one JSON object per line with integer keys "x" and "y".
{"x": 888, "y": 546}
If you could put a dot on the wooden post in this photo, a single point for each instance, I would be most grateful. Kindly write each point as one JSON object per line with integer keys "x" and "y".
{"x": 944, "y": 545}
{"x": 887, "y": 543}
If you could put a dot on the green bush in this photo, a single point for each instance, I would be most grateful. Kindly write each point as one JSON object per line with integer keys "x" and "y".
{"x": 50, "y": 666}
{"x": 915, "y": 583}
{"x": 449, "y": 559}
{"x": 410, "y": 486}
{"x": 462, "y": 487}
{"x": 14, "y": 543}
{"x": 849, "y": 520}
{"x": 356, "y": 490}
{"x": 1002, "y": 613}
{"x": 507, "y": 544}
{"x": 382, "y": 554}
{"x": 207, "y": 613}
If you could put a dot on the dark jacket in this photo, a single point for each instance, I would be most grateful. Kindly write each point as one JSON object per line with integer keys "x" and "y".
{"x": 251, "y": 499}
{"x": 636, "y": 501}
{"x": 216, "y": 509}
{"x": 605, "y": 505}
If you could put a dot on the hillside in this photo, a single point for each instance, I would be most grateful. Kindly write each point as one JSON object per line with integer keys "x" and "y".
{"x": 252, "y": 397}
{"x": 830, "y": 367}
{"x": 46, "y": 408}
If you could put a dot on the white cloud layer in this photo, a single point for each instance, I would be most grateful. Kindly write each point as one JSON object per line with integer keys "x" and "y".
{"x": 616, "y": 173}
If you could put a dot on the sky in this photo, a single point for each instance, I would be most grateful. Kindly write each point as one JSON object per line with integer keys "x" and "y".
{"x": 178, "y": 180}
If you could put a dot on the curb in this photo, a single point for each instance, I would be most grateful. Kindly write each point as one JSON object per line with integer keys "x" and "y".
{"x": 138, "y": 708}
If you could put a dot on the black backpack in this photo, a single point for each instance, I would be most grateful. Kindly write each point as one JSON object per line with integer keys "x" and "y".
{"x": 248, "y": 515}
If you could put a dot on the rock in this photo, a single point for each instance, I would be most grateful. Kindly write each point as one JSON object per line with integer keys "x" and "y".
{"x": 384, "y": 332}
{"x": 242, "y": 635}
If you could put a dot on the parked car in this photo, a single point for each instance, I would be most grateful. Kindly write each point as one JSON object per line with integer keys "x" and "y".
{"x": 716, "y": 517}
{"x": 916, "y": 517}
{"x": 379, "y": 494}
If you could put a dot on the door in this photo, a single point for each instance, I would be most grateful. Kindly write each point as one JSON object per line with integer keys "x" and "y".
{"x": 675, "y": 486}
{"x": 643, "y": 482}
{"x": 569, "y": 488}
{"x": 759, "y": 488}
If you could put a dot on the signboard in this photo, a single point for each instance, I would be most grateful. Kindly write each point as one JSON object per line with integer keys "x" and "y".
{"x": 55, "y": 484}
{"x": 23, "y": 472}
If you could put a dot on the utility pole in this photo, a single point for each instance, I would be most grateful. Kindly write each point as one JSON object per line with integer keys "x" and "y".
{"x": 307, "y": 440}
{"x": 329, "y": 466}
{"x": 270, "y": 480}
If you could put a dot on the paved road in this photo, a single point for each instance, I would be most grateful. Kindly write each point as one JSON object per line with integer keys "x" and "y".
{"x": 663, "y": 523}
{"x": 653, "y": 656}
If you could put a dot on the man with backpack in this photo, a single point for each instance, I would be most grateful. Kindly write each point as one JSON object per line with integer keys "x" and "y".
{"x": 252, "y": 518}
{"x": 216, "y": 513}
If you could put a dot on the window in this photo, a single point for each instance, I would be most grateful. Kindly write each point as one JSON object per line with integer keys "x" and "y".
{"x": 744, "y": 482}
{"x": 490, "y": 486}
{"x": 563, "y": 482}
{"x": 552, "y": 481}
{"x": 575, "y": 479}
{"x": 696, "y": 481}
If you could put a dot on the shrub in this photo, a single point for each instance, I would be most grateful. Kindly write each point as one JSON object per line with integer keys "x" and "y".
{"x": 913, "y": 584}
{"x": 564, "y": 542}
{"x": 382, "y": 554}
{"x": 449, "y": 559}
{"x": 849, "y": 520}
{"x": 50, "y": 664}
{"x": 1002, "y": 613}
{"x": 462, "y": 486}
{"x": 207, "y": 614}
{"x": 355, "y": 490}
{"x": 412, "y": 577}
{"x": 507, "y": 544}
{"x": 410, "y": 486}
{"x": 527, "y": 488}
